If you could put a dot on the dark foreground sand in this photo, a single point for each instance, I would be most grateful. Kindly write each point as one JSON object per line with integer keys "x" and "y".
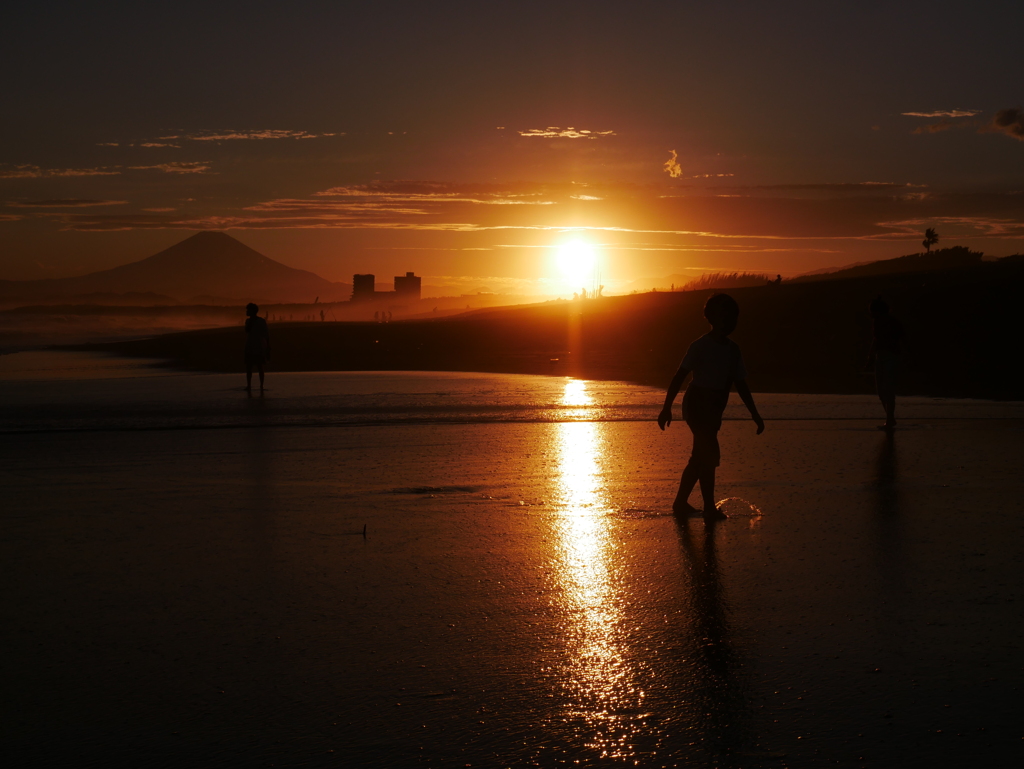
{"x": 205, "y": 597}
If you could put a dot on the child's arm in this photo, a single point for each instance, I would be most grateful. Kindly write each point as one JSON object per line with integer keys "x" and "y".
{"x": 748, "y": 401}
{"x": 665, "y": 417}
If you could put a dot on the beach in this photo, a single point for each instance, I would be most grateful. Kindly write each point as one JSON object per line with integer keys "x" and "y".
{"x": 389, "y": 569}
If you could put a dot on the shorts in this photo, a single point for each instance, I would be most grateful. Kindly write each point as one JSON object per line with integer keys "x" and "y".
{"x": 703, "y": 407}
{"x": 702, "y": 410}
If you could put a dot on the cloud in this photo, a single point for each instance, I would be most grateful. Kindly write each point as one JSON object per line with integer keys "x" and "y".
{"x": 1008, "y": 121}
{"x": 944, "y": 113}
{"x": 934, "y": 128}
{"x": 8, "y": 171}
{"x": 380, "y": 193}
{"x": 556, "y": 132}
{"x": 253, "y": 135}
{"x": 840, "y": 186}
{"x": 65, "y": 203}
{"x": 187, "y": 167}
{"x": 158, "y": 144}
{"x": 962, "y": 226}
{"x": 672, "y": 166}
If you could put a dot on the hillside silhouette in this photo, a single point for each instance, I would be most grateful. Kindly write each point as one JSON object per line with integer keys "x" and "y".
{"x": 956, "y": 257}
{"x": 810, "y": 337}
{"x": 206, "y": 265}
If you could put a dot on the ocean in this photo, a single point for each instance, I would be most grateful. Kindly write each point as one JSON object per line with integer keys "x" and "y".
{"x": 390, "y": 569}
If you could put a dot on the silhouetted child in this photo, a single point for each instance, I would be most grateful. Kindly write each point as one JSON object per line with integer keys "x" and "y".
{"x": 884, "y": 358}
{"x": 257, "y": 344}
{"x": 717, "y": 365}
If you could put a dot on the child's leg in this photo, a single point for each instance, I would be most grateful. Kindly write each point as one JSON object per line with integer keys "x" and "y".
{"x": 690, "y": 475}
{"x": 885, "y": 379}
{"x": 248, "y": 376}
{"x": 686, "y": 484}
{"x": 710, "y": 456}
{"x": 261, "y": 377}
{"x": 707, "y": 490}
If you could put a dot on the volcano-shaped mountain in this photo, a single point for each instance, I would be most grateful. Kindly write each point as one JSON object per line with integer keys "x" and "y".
{"x": 205, "y": 266}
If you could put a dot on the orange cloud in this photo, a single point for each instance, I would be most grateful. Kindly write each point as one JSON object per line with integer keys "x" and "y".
{"x": 944, "y": 113}
{"x": 672, "y": 166}
{"x": 65, "y": 203}
{"x": 555, "y": 132}
{"x": 35, "y": 172}
{"x": 188, "y": 167}
{"x": 231, "y": 135}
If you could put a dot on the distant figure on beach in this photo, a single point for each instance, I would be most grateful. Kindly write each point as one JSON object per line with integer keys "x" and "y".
{"x": 717, "y": 365}
{"x": 885, "y": 356}
{"x": 257, "y": 344}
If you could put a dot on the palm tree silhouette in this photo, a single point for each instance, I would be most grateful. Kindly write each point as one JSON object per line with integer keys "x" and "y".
{"x": 930, "y": 239}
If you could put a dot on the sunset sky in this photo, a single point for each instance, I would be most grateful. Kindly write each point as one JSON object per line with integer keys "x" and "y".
{"x": 469, "y": 141}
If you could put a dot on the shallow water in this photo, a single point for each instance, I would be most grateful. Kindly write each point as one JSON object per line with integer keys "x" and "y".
{"x": 521, "y": 597}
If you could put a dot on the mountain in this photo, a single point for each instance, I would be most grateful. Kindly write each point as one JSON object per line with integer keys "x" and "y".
{"x": 206, "y": 264}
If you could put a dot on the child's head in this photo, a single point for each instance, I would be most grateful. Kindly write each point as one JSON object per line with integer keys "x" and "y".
{"x": 251, "y": 309}
{"x": 879, "y": 308}
{"x": 722, "y": 312}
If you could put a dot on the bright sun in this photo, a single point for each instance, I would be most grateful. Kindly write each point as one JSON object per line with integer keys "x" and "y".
{"x": 577, "y": 262}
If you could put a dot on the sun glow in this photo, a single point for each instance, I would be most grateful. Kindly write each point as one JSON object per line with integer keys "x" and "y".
{"x": 577, "y": 263}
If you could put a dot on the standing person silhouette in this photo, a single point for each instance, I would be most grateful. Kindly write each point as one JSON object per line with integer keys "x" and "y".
{"x": 257, "y": 344}
{"x": 885, "y": 356}
{"x": 717, "y": 365}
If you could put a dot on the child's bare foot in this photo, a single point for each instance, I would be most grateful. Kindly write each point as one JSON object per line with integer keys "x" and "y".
{"x": 714, "y": 514}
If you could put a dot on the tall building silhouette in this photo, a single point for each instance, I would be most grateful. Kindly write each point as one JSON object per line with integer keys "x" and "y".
{"x": 408, "y": 287}
{"x": 363, "y": 288}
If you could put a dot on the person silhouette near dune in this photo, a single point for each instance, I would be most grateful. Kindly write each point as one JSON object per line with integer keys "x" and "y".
{"x": 885, "y": 356}
{"x": 257, "y": 344}
{"x": 717, "y": 365}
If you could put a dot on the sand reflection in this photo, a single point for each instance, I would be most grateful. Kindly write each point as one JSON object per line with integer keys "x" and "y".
{"x": 604, "y": 699}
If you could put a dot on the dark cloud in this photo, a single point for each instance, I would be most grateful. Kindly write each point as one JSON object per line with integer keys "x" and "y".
{"x": 1008, "y": 121}
{"x": 934, "y": 128}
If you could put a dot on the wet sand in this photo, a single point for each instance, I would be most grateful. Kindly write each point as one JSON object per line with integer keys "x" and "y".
{"x": 206, "y": 597}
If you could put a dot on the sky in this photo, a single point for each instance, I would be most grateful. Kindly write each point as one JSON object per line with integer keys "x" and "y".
{"x": 470, "y": 142}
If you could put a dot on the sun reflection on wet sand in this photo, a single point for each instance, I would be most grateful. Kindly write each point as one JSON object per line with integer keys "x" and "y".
{"x": 576, "y": 400}
{"x": 604, "y": 698}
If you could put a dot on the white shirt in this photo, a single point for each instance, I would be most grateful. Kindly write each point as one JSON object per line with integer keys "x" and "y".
{"x": 715, "y": 364}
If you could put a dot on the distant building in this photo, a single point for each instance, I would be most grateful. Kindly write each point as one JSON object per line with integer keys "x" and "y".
{"x": 407, "y": 287}
{"x": 363, "y": 288}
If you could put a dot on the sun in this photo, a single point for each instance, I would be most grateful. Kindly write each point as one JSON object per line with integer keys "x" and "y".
{"x": 577, "y": 261}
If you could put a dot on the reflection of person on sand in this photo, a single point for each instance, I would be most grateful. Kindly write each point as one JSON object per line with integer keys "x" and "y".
{"x": 257, "y": 344}
{"x": 885, "y": 355}
{"x": 717, "y": 364}
{"x": 720, "y": 712}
